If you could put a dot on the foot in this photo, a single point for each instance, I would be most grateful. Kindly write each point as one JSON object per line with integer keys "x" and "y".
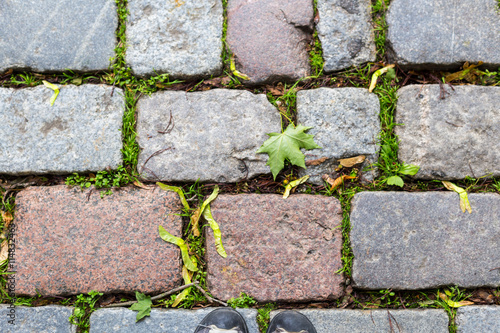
{"x": 290, "y": 322}
{"x": 224, "y": 320}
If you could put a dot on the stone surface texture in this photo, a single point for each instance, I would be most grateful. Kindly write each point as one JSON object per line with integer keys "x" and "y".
{"x": 48, "y": 36}
{"x": 214, "y": 135}
{"x": 181, "y": 38}
{"x": 478, "y": 319}
{"x": 71, "y": 241}
{"x": 442, "y": 34}
{"x": 41, "y": 319}
{"x": 345, "y": 32}
{"x": 81, "y": 132}
{"x": 278, "y": 250}
{"x": 345, "y": 124}
{"x": 376, "y": 321}
{"x": 268, "y": 38}
{"x": 407, "y": 241}
{"x": 171, "y": 321}
{"x": 450, "y": 138}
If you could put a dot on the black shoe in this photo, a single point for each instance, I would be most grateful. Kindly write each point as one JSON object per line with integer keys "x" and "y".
{"x": 222, "y": 320}
{"x": 290, "y": 321}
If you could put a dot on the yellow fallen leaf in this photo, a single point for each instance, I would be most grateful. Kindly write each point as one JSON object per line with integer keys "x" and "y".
{"x": 53, "y": 87}
{"x": 207, "y": 214}
{"x": 377, "y": 74}
{"x": 7, "y": 219}
{"x": 195, "y": 218}
{"x": 186, "y": 275}
{"x": 293, "y": 184}
{"x": 453, "y": 304}
{"x": 232, "y": 66}
{"x": 350, "y": 162}
{"x": 141, "y": 185}
{"x": 336, "y": 182}
{"x": 464, "y": 199}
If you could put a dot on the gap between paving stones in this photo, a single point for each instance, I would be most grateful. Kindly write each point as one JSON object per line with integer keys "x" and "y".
{"x": 339, "y": 79}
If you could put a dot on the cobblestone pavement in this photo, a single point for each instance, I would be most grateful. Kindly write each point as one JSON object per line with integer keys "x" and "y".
{"x": 309, "y": 252}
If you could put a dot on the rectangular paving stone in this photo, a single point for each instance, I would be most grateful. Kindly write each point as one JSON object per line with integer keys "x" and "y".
{"x": 81, "y": 132}
{"x": 41, "y": 319}
{"x": 55, "y": 35}
{"x": 71, "y": 241}
{"x": 345, "y": 123}
{"x": 346, "y": 33}
{"x": 450, "y": 138}
{"x": 376, "y": 321}
{"x": 182, "y": 38}
{"x": 443, "y": 34}
{"x": 212, "y": 136}
{"x": 268, "y": 38}
{"x": 407, "y": 241}
{"x": 478, "y": 319}
{"x": 277, "y": 249}
{"x": 171, "y": 321}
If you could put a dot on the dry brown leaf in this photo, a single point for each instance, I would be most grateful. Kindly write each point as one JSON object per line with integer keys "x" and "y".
{"x": 7, "y": 219}
{"x": 195, "y": 219}
{"x": 350, "y": 162}
{"x": 278, "y": 91}
{"x": 469, "y": 73}
{"x": 225, "y": 80}
{"x": 141, "y": 185}
{"x": 317, "y": 161}
{"x": 214, "y": 82}
{"x": 336, "y": 182}
{"x": 4, "y": 251}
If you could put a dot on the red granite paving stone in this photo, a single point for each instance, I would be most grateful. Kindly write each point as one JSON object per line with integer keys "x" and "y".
{"x": 70, "y": 241}
{"x": 278, "y": 250}
{"x": 269, "y": 38}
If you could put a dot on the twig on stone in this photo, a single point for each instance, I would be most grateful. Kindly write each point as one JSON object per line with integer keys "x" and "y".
{"x": 156, "y": 153}
{"x": 167, "y": 129}
{"x": 210, "y": 299}
{"x": 154, "y": 298}
{"x": 494, "y": 269}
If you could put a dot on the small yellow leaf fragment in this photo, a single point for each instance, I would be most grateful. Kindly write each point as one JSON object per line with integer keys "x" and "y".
{"x": 293, "y": 184}
{"x": 186, "y": 275}
{"x": 177, "y": 190}
{"x": 451, "y": 303}
{"x": 195, "y": 218}
{"x": 7, "y": 219}
{"x": 235, "y": 72}
{"x": 53, "y": 87}
{"x": 139, "y": 184}
{"x": 464, "y": 199}
{"x": 207, "y": 214}
{"x": 194, "y": 222}
{"x": 377, "y": 74}
{"x": 350, "y": 162}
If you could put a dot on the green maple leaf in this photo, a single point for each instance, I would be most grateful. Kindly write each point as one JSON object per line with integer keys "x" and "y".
{"x": 286, "y": 145}
{"x": 143, "y": 305}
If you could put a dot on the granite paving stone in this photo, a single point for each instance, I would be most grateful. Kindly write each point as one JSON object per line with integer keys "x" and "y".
{"x": 41, "y": 319}
{"x": 478, "y": 319}
{"x": 443, "y": 34}
{"x": 407, "y": 241}
{"x": 278, "y": 250}
{"x": 81, "y": 132}
{"x": 268, "y": 38}
{"x": 376, "y": 321}
{"x": 346, "y": 33}
{"x": 70, "y": 241}
{"x": 212, "y": 136}
{"x": 171, "y": 321}
{"x": 182, "y": 38}
{"x": 345, "y": 123}
{"x": 55, "y": 35}
{"x": 450, "y": 138}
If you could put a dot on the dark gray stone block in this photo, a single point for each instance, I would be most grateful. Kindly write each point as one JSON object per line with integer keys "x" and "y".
{"x": 346, "y": 33}
{"x": 345, "y": 124}
{"x": 376, "y": 321}
{"x": 406, "y": 241}
{"x": 214, "y": 135}
{"x": 182, "y": 38}
{"x": 443, "y": 34}
{"x": 478, "y": 319}
{"x": 171, "y": 321}
{"x": 81, "y": 132}
{"x": 48, "y": 36}
{"x": 42, "y": 319}
{"x": 450, "y": 138}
